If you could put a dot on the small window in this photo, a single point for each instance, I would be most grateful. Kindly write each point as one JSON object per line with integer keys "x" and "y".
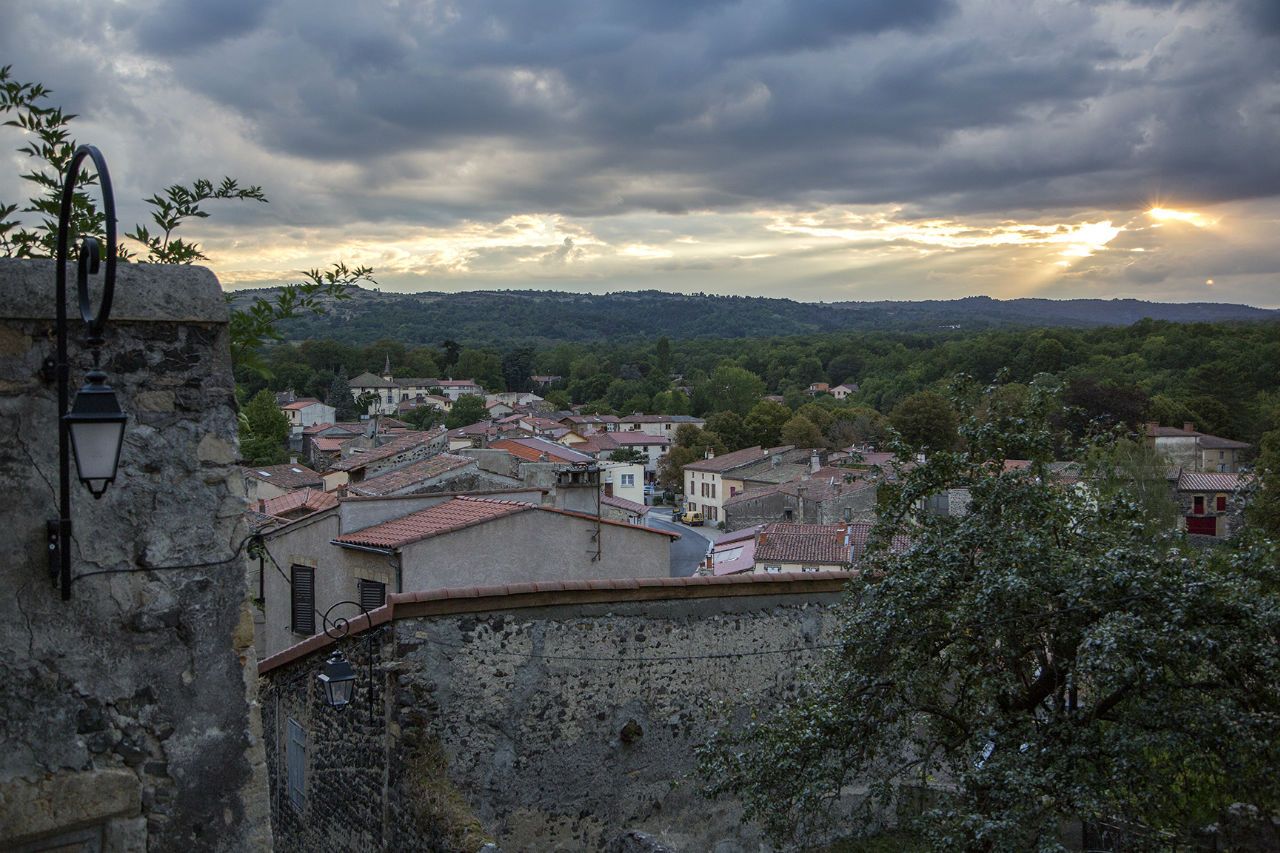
{"x": 372, "y": 594}
{"x": 302, "y": 599}
{"x": 627, "y": 481}
{"x": 1198, "y": 505}
{"x": 772, "y": 570}
{"x": 296, "y": 756}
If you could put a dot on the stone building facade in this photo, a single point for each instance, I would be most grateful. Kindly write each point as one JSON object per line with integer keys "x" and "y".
{"x": 124, "y": 715}
{"x": 552, "y": 716}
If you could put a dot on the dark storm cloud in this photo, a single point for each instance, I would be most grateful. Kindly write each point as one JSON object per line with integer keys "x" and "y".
{"x": 672, "y": 106}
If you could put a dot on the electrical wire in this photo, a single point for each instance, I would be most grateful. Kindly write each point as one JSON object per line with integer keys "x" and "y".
{"x": 139, "y": 569}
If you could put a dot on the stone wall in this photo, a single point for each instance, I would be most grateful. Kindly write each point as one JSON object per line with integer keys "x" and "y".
{"x": 541, "y": 716}
{"x": 124, "y": 716}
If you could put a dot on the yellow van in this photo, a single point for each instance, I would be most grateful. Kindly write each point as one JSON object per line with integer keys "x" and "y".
{"x": 693, "y": 519}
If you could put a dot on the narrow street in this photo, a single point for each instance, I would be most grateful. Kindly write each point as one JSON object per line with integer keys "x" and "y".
{"x": 687, "y": 551}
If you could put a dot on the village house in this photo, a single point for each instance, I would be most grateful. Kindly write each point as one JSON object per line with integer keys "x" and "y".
{"x": 828, "y": 497}
{"x": 410, "y": 447}
{"x": 844, "y": 389}
{"x": 271, "y": 481}
{"x": 306, "y": 412}
{"x": 816, "y": 388}
{"x": 439, "y": 473}
{"x": 366, "y": 547}
{"x": 1195, "y": 451}
{"x": 1208, "y": 503}
{"x": 709, "y": 482}
{"x": 657, "y": 425}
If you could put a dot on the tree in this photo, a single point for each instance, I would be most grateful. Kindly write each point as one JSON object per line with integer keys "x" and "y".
{"x": 730, "y": 427}
{"x": 263, "y": 431}
{"x": 764, "y": 423}
{"x": 423, "y": 417}
{"x": 732, "y": 389}
{"x": 1044, "y": 657}
{"x": 468, "y": 409}
{"x": 670, "y": 473}
{"x": 627, "y": 454}
{"x": 343, "y": 401}
{"x": 801, "y": 432}
{"x": 1263, "y": 507}
{"x": 925, "y": 420}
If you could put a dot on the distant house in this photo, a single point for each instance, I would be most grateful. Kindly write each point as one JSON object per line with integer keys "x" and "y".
{"x": 818, "y": 388}
{"x": 539, "y": 450}
{"x": 436, "y": 473}
{"x": 657, "y": 425}
{"x": 403, "y": 450}
{"x": 844, "y": 390}
{"x": 584, "y": 425}
{"x": 307, "y": 412}
{"x": 1206, "y": 505}
{"x": 271, "y": 481}
{"x": 705, "y": 486}
{"x": 1195, "y": 451}
{"x": 832, "y": 496}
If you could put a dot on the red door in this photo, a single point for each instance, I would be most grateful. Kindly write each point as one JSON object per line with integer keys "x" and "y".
{"x": 1203, "y": 525}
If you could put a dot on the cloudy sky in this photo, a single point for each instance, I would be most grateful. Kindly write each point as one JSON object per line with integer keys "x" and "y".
{"x": 812, "y": 149}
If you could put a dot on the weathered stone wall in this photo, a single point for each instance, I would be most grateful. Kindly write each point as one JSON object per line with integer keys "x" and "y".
{"x": 555, "y": 719}
{"x": 124, "y": 716}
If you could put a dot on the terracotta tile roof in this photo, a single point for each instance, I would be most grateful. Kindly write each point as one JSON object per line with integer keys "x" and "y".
{"x": 291, "y": 476}
{"x": 454, "y": 514}
{"x": 802, "y": 543}
{"x": 1191, "y": 481}
{"x": 624, "y": 505}
{"x": 331, "y": 445}
{"x": 727, "y": 461}
{"x": 533, "y": 449}
{"x": 315, "y": 429}
{"x": 418, "y": 472}
{"x": 402, "y": 444}
{"x": 596, "y": 443}
{"x": 1213, "y": 442}
{"x": 302, "y": 403}
{"x": 311, "y": 499}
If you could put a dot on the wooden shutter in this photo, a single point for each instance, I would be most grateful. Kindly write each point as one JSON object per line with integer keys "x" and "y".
{"x": 372, "y": 594}
{"x": 296, "y": 756}
{"x": 303, "y": 599}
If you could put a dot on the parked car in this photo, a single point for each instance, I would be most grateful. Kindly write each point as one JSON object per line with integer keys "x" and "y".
{"x": 693, "y": 519}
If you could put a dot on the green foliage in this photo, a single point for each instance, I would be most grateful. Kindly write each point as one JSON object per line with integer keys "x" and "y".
{"x": 1132, "y": 467}
{"x": 259, "y": 324}
{"x": 178, "y": 204}
{"x": 764, "y": 423}
{"x": 468, "y": 409}
{"x": 343, "y": 401}
{"x": 732, "y": 389}
{"x": 801, "y": 432}
{"x": 925, "y": 421}
{"x": 423, "y": 417}
{"x": 1263, "y": 508}
{"x": 670, "y": 475}
{"x": 731, "y": 428}
{"x": 627, "y": 454}
{"x": 1040, "y": 659}
{"x": 264, "y": 429}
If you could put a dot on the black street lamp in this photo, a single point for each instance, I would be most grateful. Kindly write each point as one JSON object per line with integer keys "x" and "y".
{"x": 338, "y": 678}
{"x": 94, "y": 428}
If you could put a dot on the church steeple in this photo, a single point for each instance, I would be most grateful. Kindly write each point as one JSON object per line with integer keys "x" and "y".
{"x": 386, "y": 368}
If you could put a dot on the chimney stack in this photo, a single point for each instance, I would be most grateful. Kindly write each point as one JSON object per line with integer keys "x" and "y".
{"x": 814, "y": 462}
{"x": 1189, "y": 426}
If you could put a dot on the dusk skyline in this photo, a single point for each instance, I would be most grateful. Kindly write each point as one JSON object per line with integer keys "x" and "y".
{"x": 820, "y": 151}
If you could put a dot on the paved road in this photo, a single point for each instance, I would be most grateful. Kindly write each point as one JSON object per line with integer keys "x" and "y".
{"x": 687, "y": 551}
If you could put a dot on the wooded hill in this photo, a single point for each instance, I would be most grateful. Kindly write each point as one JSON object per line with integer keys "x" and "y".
{"x": 544, "y": 318}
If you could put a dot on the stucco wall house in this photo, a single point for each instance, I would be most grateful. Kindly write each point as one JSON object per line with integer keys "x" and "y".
{"x": 1196, "y": 451}
{"x": 365, "y": 549}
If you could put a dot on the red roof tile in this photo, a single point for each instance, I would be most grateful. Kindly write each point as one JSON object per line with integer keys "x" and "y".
{"x": 418, "y": 472}
{"x": 455, "y": 514}
{"x": 292, "y": 476}
{"x": 533, "y": 449}
{"x": 1190, "y": 481}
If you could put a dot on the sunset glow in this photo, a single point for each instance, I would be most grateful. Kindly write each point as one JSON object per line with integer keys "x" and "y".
{"x": 1192, "y": 217}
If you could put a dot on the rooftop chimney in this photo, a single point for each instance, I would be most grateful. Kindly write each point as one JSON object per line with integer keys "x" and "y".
{"x": 814, "y": 462}
{"x": 1189, "y": 426}
{"x": 711, "y": 452}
